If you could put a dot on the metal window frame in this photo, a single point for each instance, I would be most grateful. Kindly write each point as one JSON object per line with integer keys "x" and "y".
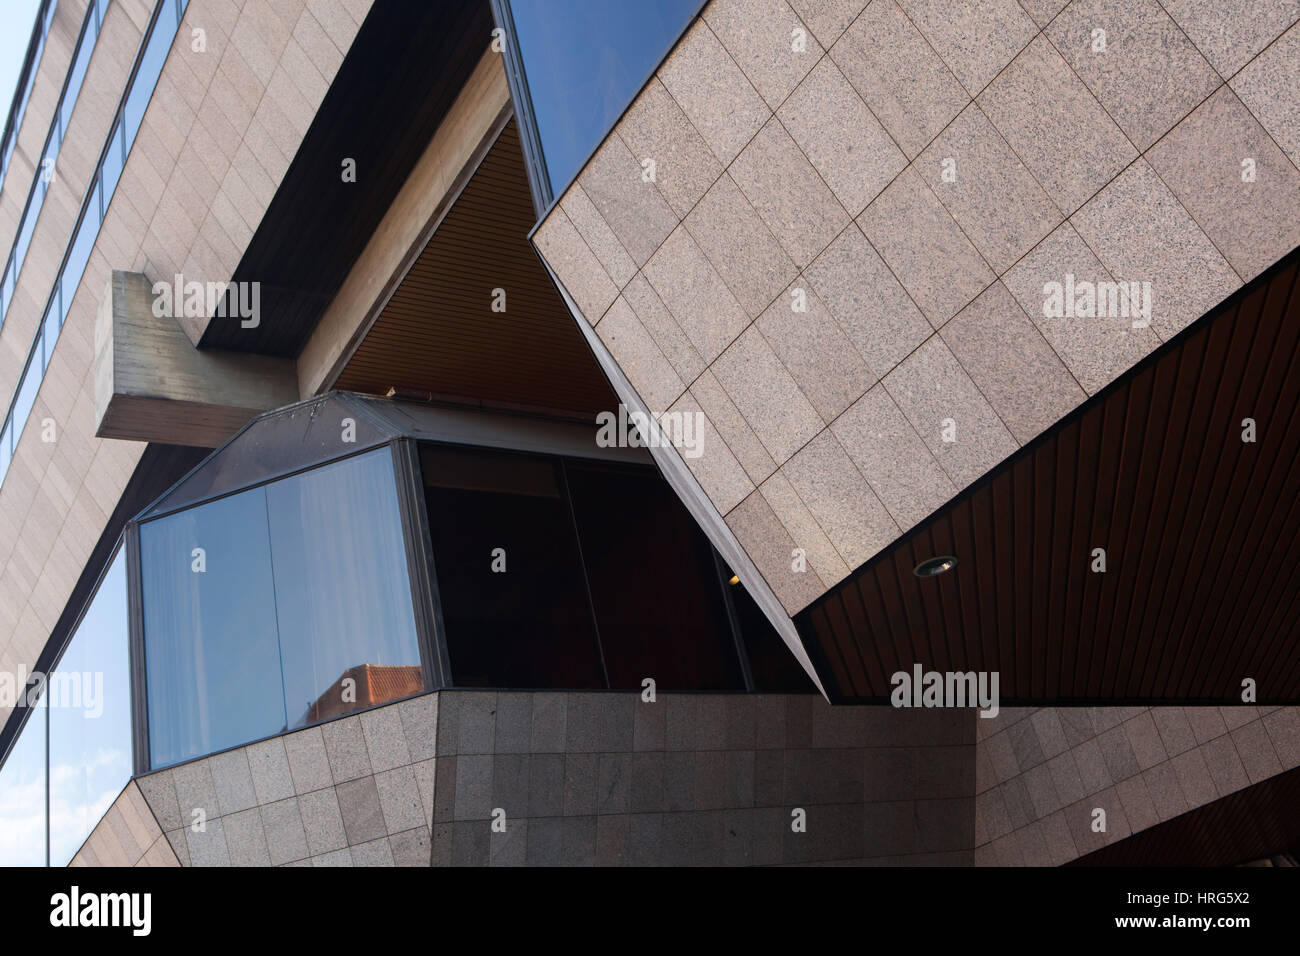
{"x": 427, "y": 618}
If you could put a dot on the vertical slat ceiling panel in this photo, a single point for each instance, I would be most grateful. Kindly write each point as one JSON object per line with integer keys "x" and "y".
{"x": 438, "y": 332}
{"x": 1201, "y": 531}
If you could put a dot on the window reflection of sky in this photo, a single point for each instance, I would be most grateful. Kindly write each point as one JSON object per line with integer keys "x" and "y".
{"x": 90, "y": 756}
{"x": 585, "y": 60}
{"x": 89, "y": 737}
{"x": 22, "y": 797}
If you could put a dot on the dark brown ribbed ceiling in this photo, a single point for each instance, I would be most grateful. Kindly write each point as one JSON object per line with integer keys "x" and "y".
{"x": 438, "y": 332}
{"x": 1200, "y": 531}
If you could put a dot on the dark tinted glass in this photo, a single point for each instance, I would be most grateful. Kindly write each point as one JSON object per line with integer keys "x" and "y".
{"x": 210, "y": 638}
{"x": 343, "y": 594}
{"x": 22, "y": 796}
{"x": 584, "y": 60}
{"x": 90, "y": 722}
{"x": 528, "y": 625}
{"x": 772, "y": 667}
{"x": 654, "y": 583}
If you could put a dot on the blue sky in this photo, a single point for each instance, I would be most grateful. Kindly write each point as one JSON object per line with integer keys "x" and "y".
{"x": 16, "y": 20}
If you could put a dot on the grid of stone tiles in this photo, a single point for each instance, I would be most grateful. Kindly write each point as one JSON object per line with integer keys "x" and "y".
{"x": 1040, "y": 774}
{"x": 698, "y": 779}
{"x": 128, "y": 835}
{"x": 215, "y": 142}
{"x": 818, "y": 178}
{"x": 352, "y": 792}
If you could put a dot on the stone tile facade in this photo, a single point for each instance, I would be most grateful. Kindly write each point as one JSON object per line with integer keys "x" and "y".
{"x": 1041, "y": 775}
{"x": 697, "y": 779}
{"x": 128, "y": 835}
{"x": 841, "y": 256}
{"x": 488, "y": 778}
{"x": 352, "y": 792}
{"x": 216, "y": 139}
{"x": 580, "y": 779}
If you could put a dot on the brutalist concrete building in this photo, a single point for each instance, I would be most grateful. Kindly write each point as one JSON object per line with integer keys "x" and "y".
{"x": 611, "y": 433}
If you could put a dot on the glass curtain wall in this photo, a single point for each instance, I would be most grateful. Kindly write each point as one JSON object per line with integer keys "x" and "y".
{"x": 90, "y": 718}
{"x": 277, "y": 607}
{"x": 22, "y": 795}
{"x": 568, "y": 573}
{"x": 85, "y": 714}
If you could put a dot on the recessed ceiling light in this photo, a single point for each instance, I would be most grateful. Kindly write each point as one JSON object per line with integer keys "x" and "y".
{"x": 735, "y": 579}
{"x": 935, "y": 566}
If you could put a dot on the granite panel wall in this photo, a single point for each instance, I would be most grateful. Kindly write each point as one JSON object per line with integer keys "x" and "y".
{"x": 1042, "y": 774}
{"x": 216, "y": 139}
{"x": 488, "y": 778}
{"x": 583, "y": 779}
{"x": 607, "y": 779}
{"x": 828, "y": 228}
{"x": 352, "y": 792}
{"x": 128, "y": 835}
{"x": 35, "y": 121}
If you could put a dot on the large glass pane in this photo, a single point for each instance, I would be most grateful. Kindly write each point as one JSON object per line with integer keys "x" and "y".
{"x": 295, "y": 608}
{"x": 25, "y": 233}
{"x": 111, "y": 171}
{"x": 90, "y": 718}
{"x": 209, "y": 629}
{"x": 77, "y": 74}
{"x": 514, "y": 601}
{"x": 6, "y": 453}
{"x": 22, "y": 795}
{"x": 146, "y": 77}
{"x": 31, "y": 384}
{"x": 343, "y": 594}
{"x": 79, "y": 255}
{"x": 640, "y": 547}
{"x": 584, "y": 60}
{"x": 772, "y": 667}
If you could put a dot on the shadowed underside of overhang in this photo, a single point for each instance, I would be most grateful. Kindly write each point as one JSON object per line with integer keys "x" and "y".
{"x": 1201, "y": 532}
{"x": 438, "y": 332}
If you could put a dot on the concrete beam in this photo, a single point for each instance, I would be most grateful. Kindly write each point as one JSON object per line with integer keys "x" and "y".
{"x": 152, "y": 384}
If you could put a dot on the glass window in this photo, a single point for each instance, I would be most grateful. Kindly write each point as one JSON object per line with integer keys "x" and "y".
{"x": 31, "y": 384}
{"x": 22, "y": 795}
{"x": 261, "y": 609}
{"x": 10, "y": 280}
{"x": 659, "y": 605}
{"x": 209, "y": 629}
{"x": 111, "y": 171}
{"x": 6, "y": 453}
{"x": 90, "y": 718}
{"x": 146, "y": 77}
{"x": 772, "y": 667}
{"x": 77, "y": 74}
{"x": 50, "y": 334}
{"x": 25, "y": 234}
{"x": 514, "y": 602}
{"x": 79, "y": 255}
{"x": 584, "y": 61}
{"x": 343, "y": 594}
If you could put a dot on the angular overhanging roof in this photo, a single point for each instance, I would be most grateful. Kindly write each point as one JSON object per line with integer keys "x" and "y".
{"x": 330, "y": 426}
{"x": 1200, "y": 528}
